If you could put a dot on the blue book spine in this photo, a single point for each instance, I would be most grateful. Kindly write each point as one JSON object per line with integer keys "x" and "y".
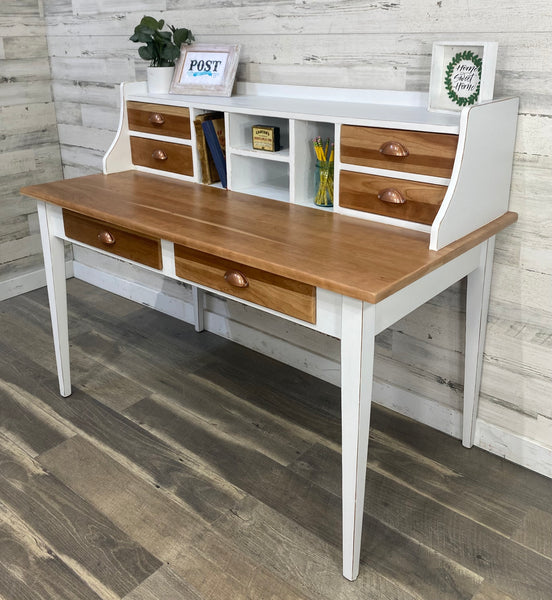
{"x": 215, "y": 148}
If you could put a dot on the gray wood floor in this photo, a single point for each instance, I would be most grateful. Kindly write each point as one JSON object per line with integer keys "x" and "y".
{"x": 187, "y": 467}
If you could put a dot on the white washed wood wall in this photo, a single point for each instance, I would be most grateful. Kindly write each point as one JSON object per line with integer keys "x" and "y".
{"x": 29, "y": 149}
{"x": 379, "y": 44}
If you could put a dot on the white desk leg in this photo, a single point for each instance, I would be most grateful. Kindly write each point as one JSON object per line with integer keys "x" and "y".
{"x": 357, "y": 367}
{"x": 477, "y": 308}
{"x": 54, "y": 265}
{"x": 197, "y": 300}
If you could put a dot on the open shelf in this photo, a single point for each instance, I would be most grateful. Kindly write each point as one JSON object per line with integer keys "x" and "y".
{"x": 252, "y": 175}
{"x": 240, "y": 135}
{"x": 305, "y": 159}
{"x": 280, "y": 156}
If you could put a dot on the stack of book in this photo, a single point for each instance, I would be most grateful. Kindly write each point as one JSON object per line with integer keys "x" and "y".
{"x": 211, "y": 145}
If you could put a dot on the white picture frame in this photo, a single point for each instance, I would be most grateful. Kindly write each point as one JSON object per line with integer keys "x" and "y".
{"x": 205, "y": 69}
{"x": 462, "y": 74}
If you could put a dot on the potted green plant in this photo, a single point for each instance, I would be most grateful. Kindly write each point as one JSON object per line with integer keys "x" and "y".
{"x": 162, "y": 49}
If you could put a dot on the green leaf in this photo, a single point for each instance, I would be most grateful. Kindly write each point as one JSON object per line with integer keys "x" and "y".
{"x": 152, "y": 23}
{"x": 182, "y": 36}
{"x": 146, "y": 52}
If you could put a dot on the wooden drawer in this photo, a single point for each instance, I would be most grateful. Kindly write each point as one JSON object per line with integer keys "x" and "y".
{"x": 427, "y": 153}
{"x": 165, "y": 156}
{"x": 173, "y": 121}
{"x": 266, "y": 289}
{"x": 375, "y": 194}
{"x": 116, "y": 240}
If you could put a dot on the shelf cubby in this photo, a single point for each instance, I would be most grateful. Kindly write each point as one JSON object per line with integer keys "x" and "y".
{"x": 240, "y": 137}
{"x": 305, "y": 159}
{"x": 253, "y": 175}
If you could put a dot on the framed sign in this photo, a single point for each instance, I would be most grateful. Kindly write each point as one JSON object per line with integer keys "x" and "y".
{"x": 462, "y": 73}
{"x": 205, "y": 69}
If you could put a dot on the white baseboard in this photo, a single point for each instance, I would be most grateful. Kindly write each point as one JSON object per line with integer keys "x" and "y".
{"x": 501, "y": 442}
{"x": 28, "y": 282}
{"x": 496, "y": 440}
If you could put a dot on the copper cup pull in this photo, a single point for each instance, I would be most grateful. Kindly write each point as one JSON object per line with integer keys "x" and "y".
{"x": 392, "y": 196}
{"x": 394, "y": 149}
{"x": 159, "y": 154}
{"x": 106, "y": 238}
{"x": 156, "y": 119}
{"x": 236, "y": 278}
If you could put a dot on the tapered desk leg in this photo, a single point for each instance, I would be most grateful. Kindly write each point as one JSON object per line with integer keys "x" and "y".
{"x": 357, "y": 367}
{"x": 199, "y": 308}
{"x": 54, "y": 265}
{"x": 477, "y": 308}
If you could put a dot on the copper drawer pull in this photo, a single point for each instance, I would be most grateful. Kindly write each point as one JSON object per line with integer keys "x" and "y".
{"x": 156, "y": 119}
{"x": 106, "y": 238}
{"x": 159, "y": 154}
{"x": 236, "y": 278}
{"x": 394, "y": 149}
{"x": 392, "y": 196}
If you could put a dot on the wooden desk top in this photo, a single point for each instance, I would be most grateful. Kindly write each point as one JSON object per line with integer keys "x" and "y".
{"x": 354, "y": 257}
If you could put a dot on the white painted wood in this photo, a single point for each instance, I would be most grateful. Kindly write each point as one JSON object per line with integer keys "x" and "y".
{"x": 161, "y": 138}
{"x": 117, "y": 158}
{"x": 304, "y": 161}
{"x": 358, "y": 214}
{"x": 294, "y": 102}
{"x": 480, "y": 183}
{"x": 357, "y": 364}
{"x": 477, "y": 306}
{"x": 198, "y": 303}
{"x": 167, "y": 258}
{"x": 54, "y": 265}
{"x": 395, "y": 174}
{"x": 403, "y": 302}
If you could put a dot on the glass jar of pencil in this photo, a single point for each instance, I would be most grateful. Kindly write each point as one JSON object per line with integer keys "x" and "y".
{"x": 323, "y": 172}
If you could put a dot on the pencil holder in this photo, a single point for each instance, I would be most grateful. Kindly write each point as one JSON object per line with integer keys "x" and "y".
{"x": 323, "y": 183}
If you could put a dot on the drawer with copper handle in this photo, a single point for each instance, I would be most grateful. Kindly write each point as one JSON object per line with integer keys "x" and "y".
{"x": 400, "y": 150}
{"x": 119, "y": 241}
{"x": 172, "y": 121}
{"x": 391, "y": 197}
{"x": 166, "y": 156}
{"x": 279, "y": 293}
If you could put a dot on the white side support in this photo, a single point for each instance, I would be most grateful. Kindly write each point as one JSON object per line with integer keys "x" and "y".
{"x": 54, "y": 266}
{"x": 118, "y": 156}
{"x": 477, "y": 308}
{"x": 198, "y": 302}
{"x": 479, "y": 189}
{"x": 357, "y": 367}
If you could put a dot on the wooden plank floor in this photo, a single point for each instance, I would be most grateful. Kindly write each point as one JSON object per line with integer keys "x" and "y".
{"x": 186, "y": 467}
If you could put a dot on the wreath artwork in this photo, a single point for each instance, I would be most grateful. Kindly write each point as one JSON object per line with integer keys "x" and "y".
{"x": 463, "y": 78}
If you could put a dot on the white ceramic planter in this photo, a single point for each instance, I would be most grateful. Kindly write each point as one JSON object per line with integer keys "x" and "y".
{"x": 159, "y": 79}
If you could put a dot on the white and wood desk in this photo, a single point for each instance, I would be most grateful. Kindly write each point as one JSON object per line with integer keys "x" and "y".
{"x": 349, "y": 273}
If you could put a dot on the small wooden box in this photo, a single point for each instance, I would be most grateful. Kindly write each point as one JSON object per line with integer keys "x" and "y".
{"x": 265, "y": 137}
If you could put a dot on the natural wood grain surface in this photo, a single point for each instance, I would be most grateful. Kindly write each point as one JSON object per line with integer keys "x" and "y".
{"x": 428, "y": 153}
{"x": 279, "y": 293}
{"x": 225, "y": 483}
{"x": 165, "y": 156}
{"x": 127, "y": 244}
{"x": 360, "y": 191}
{"x": 364, "y": 260}
{"x": 175, "y": 120}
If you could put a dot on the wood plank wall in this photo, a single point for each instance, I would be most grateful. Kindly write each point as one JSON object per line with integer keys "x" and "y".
{"x": 379, "y": 44}
{"x": 29, "y": 148}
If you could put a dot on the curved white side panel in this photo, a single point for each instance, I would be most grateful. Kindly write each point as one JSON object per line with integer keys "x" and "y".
{"x": 479, "y": 190}
{"x": 118, "y": 158}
